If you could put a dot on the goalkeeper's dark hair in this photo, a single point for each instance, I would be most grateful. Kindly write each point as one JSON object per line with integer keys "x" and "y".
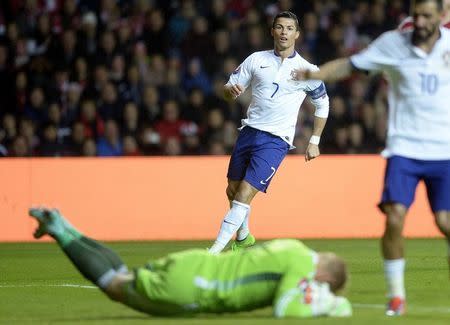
{"x": 286, "y": 14}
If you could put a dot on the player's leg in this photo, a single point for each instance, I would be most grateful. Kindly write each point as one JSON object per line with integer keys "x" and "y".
{"x": 401, "y": 178}
{"x": 236, "y": 171}
{"x": 437, "y": 181}
{"x": 244, "y": 230}
{"x": 90, "y": 261}
{"x": 234, "y": 218}
{"x": 442, "y": 219}
{"x": 392, "y": 247}
{"x": 116, "y": 261}
{"x": 267, "y": 155}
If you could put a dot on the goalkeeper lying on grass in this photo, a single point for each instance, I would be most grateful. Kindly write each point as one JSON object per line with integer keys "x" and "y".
{"x": 297, "y": 281}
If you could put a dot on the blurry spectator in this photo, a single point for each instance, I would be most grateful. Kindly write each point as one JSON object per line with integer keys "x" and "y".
{"x": 172, "y": 88}
{"x": 154, "y": 33}
{"x": 117, "y": 74}
{"x": 59, "y": 84}
{"x": 130, "y": 146}
{"x": 131, "y": 88}
{"x": 70, "y": 17}
{"x": 88, "y": 36}
{"x": 310, "y": 35}
{"x": 221, "y": 49}
{"x": 19, "y": 147}
{"x": 50, "y": 146}
{"x": 217, "y": 15}
{"x": 216, "y": 148}
{"x": 191, "y": 144}
{"x": 36, "y": 108}
{"x": 71, "y": 106}
{"x": 80, "y": 73}
{"x": 196, "y": 77}
{"x": 54, "y": 117}
{"x": 109, "y": 105}
{"x": 214, "y": 129}
{"x": 7, "y": 88}
{"x": 93, "y": 124}
{"x": 66, "y": 51}
{"x": 89, "y": 148}
{"x": 8, "y": 130}
{"x": 109, "y": 14}
{"x": 150, "y": 107}
{"x": 110, "y": 144}
{"x": 180, "y": 23}
{"x": 171, "y": 124}
{"x": 197, "y": 39}
{"x": 74, "y": 144}
{"x": 195, "y": 110}
{"x": 172, "y": 146}
{"x": 130, "y": 120}
{"x": 156, "y": 73}
{"x": 125, "y": 37}
{"x": 230, "y": 134}
{"x": 100, "y": 79}
{"x": 21, "y": 92}
{"x": 356, "y": 139}
{"x": 27, "y": 128}
{"x": 107, "y": 49}
{"x": 149, "y": 140}
{"x": 42, "y": 39}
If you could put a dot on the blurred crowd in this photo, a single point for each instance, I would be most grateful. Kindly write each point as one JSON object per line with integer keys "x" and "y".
{"x": 145, "y": 77}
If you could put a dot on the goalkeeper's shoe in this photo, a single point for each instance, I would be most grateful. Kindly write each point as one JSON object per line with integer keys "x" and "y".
{"x": 50, "y": 222}
{"x": 242, "y": 244}
{"x": 396, "y": 306}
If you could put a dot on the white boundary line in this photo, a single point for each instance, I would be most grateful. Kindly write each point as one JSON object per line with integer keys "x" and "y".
{"x": 47, "y": 285}
{"x": 423, "y": 309}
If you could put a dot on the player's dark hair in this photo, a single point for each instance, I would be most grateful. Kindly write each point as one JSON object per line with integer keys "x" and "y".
{"x": 438, "y": 3}
{"x": 286, "y": 14}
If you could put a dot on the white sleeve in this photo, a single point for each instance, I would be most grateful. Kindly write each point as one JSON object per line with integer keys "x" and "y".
{"x": 317, "y": 92}
{"x": 243, "y": 74}
{"x": 379, "y": 55}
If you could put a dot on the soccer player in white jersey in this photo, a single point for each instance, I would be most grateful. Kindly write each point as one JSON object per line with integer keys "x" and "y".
{"x": 417, "y": 66}
{"x": 268, "y": 131}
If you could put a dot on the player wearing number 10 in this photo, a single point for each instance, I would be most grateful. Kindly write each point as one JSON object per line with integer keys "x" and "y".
{"x": 417, "y": 65}
{"x": 268, "y": 131}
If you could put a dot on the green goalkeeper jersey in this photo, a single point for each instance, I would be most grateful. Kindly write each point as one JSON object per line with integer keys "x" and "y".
{"x": 196, "y": 281}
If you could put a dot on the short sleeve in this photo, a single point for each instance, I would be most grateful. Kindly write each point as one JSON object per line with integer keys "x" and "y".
{"x": 379, "y": 55}
{"x": 243, "y": 73}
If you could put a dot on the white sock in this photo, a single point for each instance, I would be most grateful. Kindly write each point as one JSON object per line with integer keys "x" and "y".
{"x": 244, "y": 229}
{"x": 230, "y": 224}
{"x": 394, "y": 271}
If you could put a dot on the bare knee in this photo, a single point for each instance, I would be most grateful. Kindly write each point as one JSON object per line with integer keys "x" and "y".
{"x": 442, "y": 219}
{"x": 231, "y": 192}
{"x": 232, "y": 189}
{"x": 395, "y": 217}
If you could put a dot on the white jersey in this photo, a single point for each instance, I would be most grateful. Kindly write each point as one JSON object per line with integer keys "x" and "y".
{"x": 419, "y": 92}
{"x": 276, "y": 98}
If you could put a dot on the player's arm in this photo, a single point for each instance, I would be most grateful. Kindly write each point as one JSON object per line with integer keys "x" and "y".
{"x": 329, "y": 72}
{"x": 308, "y": 298}
{"x": 232, "y": 91}
{"x": 319, "y": 98}
{"x": 381, "y": 55}
{"x": 240, "y": 79}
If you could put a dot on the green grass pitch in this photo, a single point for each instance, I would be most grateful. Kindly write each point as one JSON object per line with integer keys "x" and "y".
{"x": 38, "y": 285}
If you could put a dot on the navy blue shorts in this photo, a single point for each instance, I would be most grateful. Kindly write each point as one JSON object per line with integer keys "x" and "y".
{"x": 403, "y": 174}
{"x": 256, "y": 157}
